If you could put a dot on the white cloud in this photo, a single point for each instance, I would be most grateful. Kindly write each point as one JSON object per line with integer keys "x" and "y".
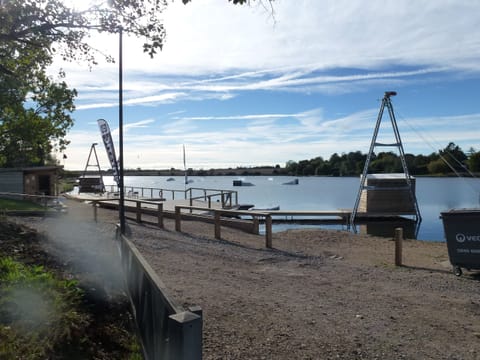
{"x": 215, "y": 37}
{"x": 270, "y": 141}
{"x": 218, "y": 51}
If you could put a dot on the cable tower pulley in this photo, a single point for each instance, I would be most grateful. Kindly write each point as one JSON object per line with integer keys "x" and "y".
{"x": 386, "y": 103}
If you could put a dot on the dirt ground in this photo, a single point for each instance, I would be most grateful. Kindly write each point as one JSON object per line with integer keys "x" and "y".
{"x": 318, "y": 294}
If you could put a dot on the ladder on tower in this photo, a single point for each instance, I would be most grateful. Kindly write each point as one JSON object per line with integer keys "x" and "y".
{"x": 386, "y": 102}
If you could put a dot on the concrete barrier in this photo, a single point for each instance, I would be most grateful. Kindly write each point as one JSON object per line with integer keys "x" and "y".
{"x": 167, "y": 331}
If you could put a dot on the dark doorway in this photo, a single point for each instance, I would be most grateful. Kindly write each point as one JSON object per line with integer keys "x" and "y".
{"x": 44, "y": 184}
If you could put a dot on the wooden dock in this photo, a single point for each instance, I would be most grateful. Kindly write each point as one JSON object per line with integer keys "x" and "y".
{"x": 218, "y": 207}
{"x": 215, "y": 208}
{"x": 296, "y": 214}
{"x": 203, "y": 205}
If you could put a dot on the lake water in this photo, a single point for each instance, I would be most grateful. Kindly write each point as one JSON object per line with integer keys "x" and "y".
{"x": 434, "y": 195}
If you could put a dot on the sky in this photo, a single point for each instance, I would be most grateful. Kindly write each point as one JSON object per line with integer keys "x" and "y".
{"x": 242, "y": 86}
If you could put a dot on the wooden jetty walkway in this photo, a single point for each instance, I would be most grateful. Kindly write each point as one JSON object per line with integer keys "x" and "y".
{"x": 219, "y": 207}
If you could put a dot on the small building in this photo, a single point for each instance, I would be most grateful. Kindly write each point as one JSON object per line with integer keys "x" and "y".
{"x": 388, "y": 194}
{"x": 40, "y": 180}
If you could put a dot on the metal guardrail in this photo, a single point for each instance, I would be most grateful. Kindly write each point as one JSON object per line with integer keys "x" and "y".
{"x": 227, "y": 197}
{"x": 29, "y": 196}
{"x": 167, "y": 331}
{"x": 47, "y": 201}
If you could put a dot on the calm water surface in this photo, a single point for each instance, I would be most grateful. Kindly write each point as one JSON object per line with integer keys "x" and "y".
{"x": 434, "y": 195}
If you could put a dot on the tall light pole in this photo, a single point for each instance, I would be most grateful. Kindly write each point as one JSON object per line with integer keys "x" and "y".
{"x": 121, "y": 205}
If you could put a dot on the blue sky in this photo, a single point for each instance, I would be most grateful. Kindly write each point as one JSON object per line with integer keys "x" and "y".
{"x": 240, "y": 87}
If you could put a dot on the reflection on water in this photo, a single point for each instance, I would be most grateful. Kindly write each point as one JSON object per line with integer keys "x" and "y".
{"x": 386, "y": 228}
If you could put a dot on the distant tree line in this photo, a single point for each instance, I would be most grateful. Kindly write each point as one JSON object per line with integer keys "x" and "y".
{"x": 450, "y": 160}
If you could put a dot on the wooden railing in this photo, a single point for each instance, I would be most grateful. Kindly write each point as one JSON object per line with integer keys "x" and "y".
{"x": 156, "y": 209}
{"x": 266, "y": 216}
{"x": 217, "y": 215}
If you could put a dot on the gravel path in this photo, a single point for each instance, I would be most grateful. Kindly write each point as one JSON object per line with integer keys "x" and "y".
{"x": 318, "y": 294}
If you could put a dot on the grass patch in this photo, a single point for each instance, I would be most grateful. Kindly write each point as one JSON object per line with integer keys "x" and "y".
{"x": 38, "y": 313}
{"x": 44, "y": 314}
{"x": 11, "y": 204}
{"x": 66, "y": 185}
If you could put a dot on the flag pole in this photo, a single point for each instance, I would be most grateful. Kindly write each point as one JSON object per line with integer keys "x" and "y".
{"x": 121, "y": 207}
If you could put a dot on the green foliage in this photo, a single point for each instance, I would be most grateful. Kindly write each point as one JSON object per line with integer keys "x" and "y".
{"x": 35, "y": 109}
{"x": 11, "y": 204}
{"x": 28, "y": 135}
{"x": 386, "y": 162}
{"x": 352, "y": 164}
{"x": 474, "y": 161}
{"x": 52, "y": 25}
{"x": 437, "y": 166}
{"x": 38, "y": 313}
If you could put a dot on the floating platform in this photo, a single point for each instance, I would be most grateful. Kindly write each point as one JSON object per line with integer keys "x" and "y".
{"x": 90, "y": 184}
{"x": 242, "y": 183}
{"x": 387, "y": 195}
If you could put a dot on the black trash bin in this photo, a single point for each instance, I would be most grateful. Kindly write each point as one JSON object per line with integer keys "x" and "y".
{"x": 462, "y": 232}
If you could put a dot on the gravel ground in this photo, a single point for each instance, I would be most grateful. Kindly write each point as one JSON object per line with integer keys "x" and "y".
{"x": 318, "y": 294}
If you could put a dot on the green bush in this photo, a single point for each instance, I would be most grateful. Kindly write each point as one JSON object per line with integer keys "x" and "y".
{"x": 38, "y": 313}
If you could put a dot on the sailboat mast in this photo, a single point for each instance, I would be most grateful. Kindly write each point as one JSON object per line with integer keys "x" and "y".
{"x": 185, "y": 166}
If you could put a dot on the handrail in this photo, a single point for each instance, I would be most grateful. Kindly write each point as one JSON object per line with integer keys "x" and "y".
{"x": 227, "y": 197}
{"x": 41, "y": 199}
{"x": 29, "y": 195}
{"x": 217, "y": 213}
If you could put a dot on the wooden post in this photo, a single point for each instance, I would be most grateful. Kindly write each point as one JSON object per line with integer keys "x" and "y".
{"x": 160, "y": 215}
{"x": 398, "y": 246}
{"x": 256, "y": 224}
{"x": 95, "y": 210}
{"x": 268, "y": 231}
{"x": 217, "y": 225}
{"x": 178, "y": 218}
{"x": 139, "y": 212}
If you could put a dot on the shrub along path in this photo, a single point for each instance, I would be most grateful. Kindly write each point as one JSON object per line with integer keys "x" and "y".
{"x": 71, "y": 247}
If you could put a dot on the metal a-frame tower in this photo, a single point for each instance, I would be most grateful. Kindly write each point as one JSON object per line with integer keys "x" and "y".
{"x": 92, "y": 184}
{"x": 386, "y": 102}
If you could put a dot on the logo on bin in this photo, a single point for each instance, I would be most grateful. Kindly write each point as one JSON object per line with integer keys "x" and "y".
{"x": 462, "y": 237}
